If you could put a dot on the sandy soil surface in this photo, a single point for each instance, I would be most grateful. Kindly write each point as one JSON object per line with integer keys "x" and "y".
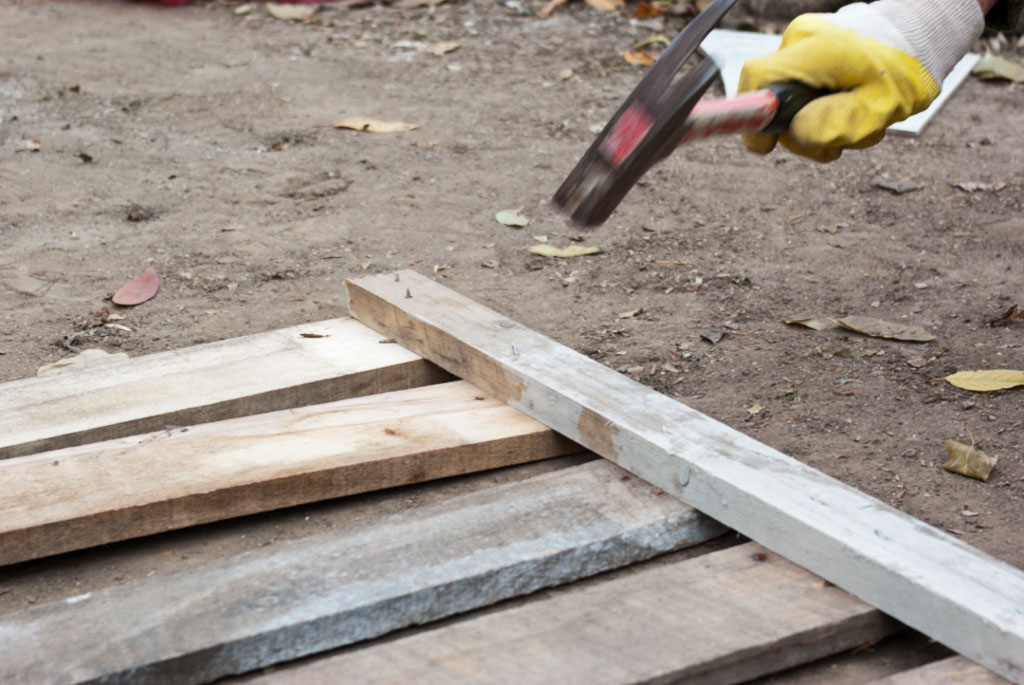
{"x": 194, "y": 140}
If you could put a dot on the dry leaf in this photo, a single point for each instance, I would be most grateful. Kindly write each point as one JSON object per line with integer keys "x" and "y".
{"x": 967, "y": 460}
{"x": 987, "y": 380}
{"x": 549, "y": 7}
{"x": 374, "y": 126}
{"x": 564, "y": 252}
{"x": 84, "y": 359}
{"x": 607, "y": 5}
{"x": 243, "y": 9}
{"x": 918, "y": 362}
{"x": 755, "y": 408}
{"x": 444, "y": 47}
{"x": 899, "y": 186}
{"x": 641, "y": 57}
{"x": 285, "y": 12}
{"x": 877, "y": 328}
{"x": 973, "y": 186}
{"x": 816, "y": 324}
{"x": 994, "y": 67}
{"x": 646, "y": 10}
{"x": 1009, "y": 316}
{"x": 33, "y": 145}
{"x": 656, "y": 39}
{"x": 315, "y": 335}
{"x": 713, "y": 337}
{"x": 511, "y": 217}
{"x": 136, "y": 291}
{"x": 631, "y": 313}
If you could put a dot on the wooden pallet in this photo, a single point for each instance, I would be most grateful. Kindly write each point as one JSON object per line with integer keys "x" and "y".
{"x": 448, "y": 591}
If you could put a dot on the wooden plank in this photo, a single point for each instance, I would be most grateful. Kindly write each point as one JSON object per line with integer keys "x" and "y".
{"x": 221, "y": 380}
{"x": 955, "y": 670}
{"x": 338, "y": 588}
{"x": 84, "y": 496}
{"x": 724, "y": 617}
{"x": 948, "y": 590}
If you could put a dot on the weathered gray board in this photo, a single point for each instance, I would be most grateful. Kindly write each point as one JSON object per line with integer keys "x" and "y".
{"x": 724, "y": 617}
{"x": 950, "y": 591}
{"x": 955, "y": 670}
{"x": 333, "y": 589}
{"x": 249, "y": 375}
{"x": 80, "y": 497}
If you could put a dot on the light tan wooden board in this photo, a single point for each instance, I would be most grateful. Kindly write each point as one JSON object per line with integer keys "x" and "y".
{"x": 723, "y": 617}
{"x": 84, "y": 496}
{"x": 955, "y": 594}
{"x": 955, "y": 670}
{"x": 249, "y": 375}
{"x": 351, "y": 584}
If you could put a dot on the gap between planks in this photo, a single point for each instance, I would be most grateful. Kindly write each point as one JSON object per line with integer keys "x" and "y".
{"x": 953, "y": 593}
{"x": 248, "y": 375}
{"x": 337, "y": 588}
{"x": 85, "y": 496}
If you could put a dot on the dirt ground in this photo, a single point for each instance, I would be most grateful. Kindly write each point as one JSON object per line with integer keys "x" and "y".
{"x": 193, "y": 139}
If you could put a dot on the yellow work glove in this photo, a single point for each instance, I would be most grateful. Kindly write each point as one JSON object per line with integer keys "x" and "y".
{"x": 883, "y": 61}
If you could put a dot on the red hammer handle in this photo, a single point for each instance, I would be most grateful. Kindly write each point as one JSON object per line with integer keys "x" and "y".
{"x": 769, "y": 110}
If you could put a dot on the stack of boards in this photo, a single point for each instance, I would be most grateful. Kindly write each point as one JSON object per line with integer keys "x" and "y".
{"x": 473, "y": 535}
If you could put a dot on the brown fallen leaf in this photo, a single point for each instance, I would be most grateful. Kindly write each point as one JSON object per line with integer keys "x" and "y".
{"x": 286, "y": 12}
{"x": 755, "y": 409}
{"x": 968, "y": 460}
{"x": 1009, "y": 316}
{"x": 647, "y": 10}
{"x": 444, "y": 47}
{"x": 877, "y": 328}
{"x": 631, "y": 313}
{"x": 606, "y": 5}
{"x": 641, "y": 57}
{"x": 545, "y": 250}
{"x": 973, "y": 186}
{"x": 898, "y": 186}
{"x": 138, "y": 290}
{"x": 810, "y": 322}
{"x": 374, "y": 125}
{"x": 315, "y": 335}
{"x": 549, "y": 7}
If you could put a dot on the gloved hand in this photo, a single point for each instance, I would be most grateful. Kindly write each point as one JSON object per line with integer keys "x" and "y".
{"x": 884, "y": 61}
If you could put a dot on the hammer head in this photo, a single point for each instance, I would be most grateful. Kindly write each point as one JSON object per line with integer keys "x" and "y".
{"x": 648, "y": 126}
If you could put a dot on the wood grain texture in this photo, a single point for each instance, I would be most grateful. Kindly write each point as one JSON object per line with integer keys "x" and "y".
{"x": 249, "y": 375}
{"x": 948, "y": 590}
{"x": 955, "y": 670}
{"x": 84, "y": 496}
{"x": 721, "y": 618}
{"x": 337, "y": 588}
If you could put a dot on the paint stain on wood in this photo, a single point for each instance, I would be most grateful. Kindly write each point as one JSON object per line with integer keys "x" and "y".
{"x": 598, "y": 434}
